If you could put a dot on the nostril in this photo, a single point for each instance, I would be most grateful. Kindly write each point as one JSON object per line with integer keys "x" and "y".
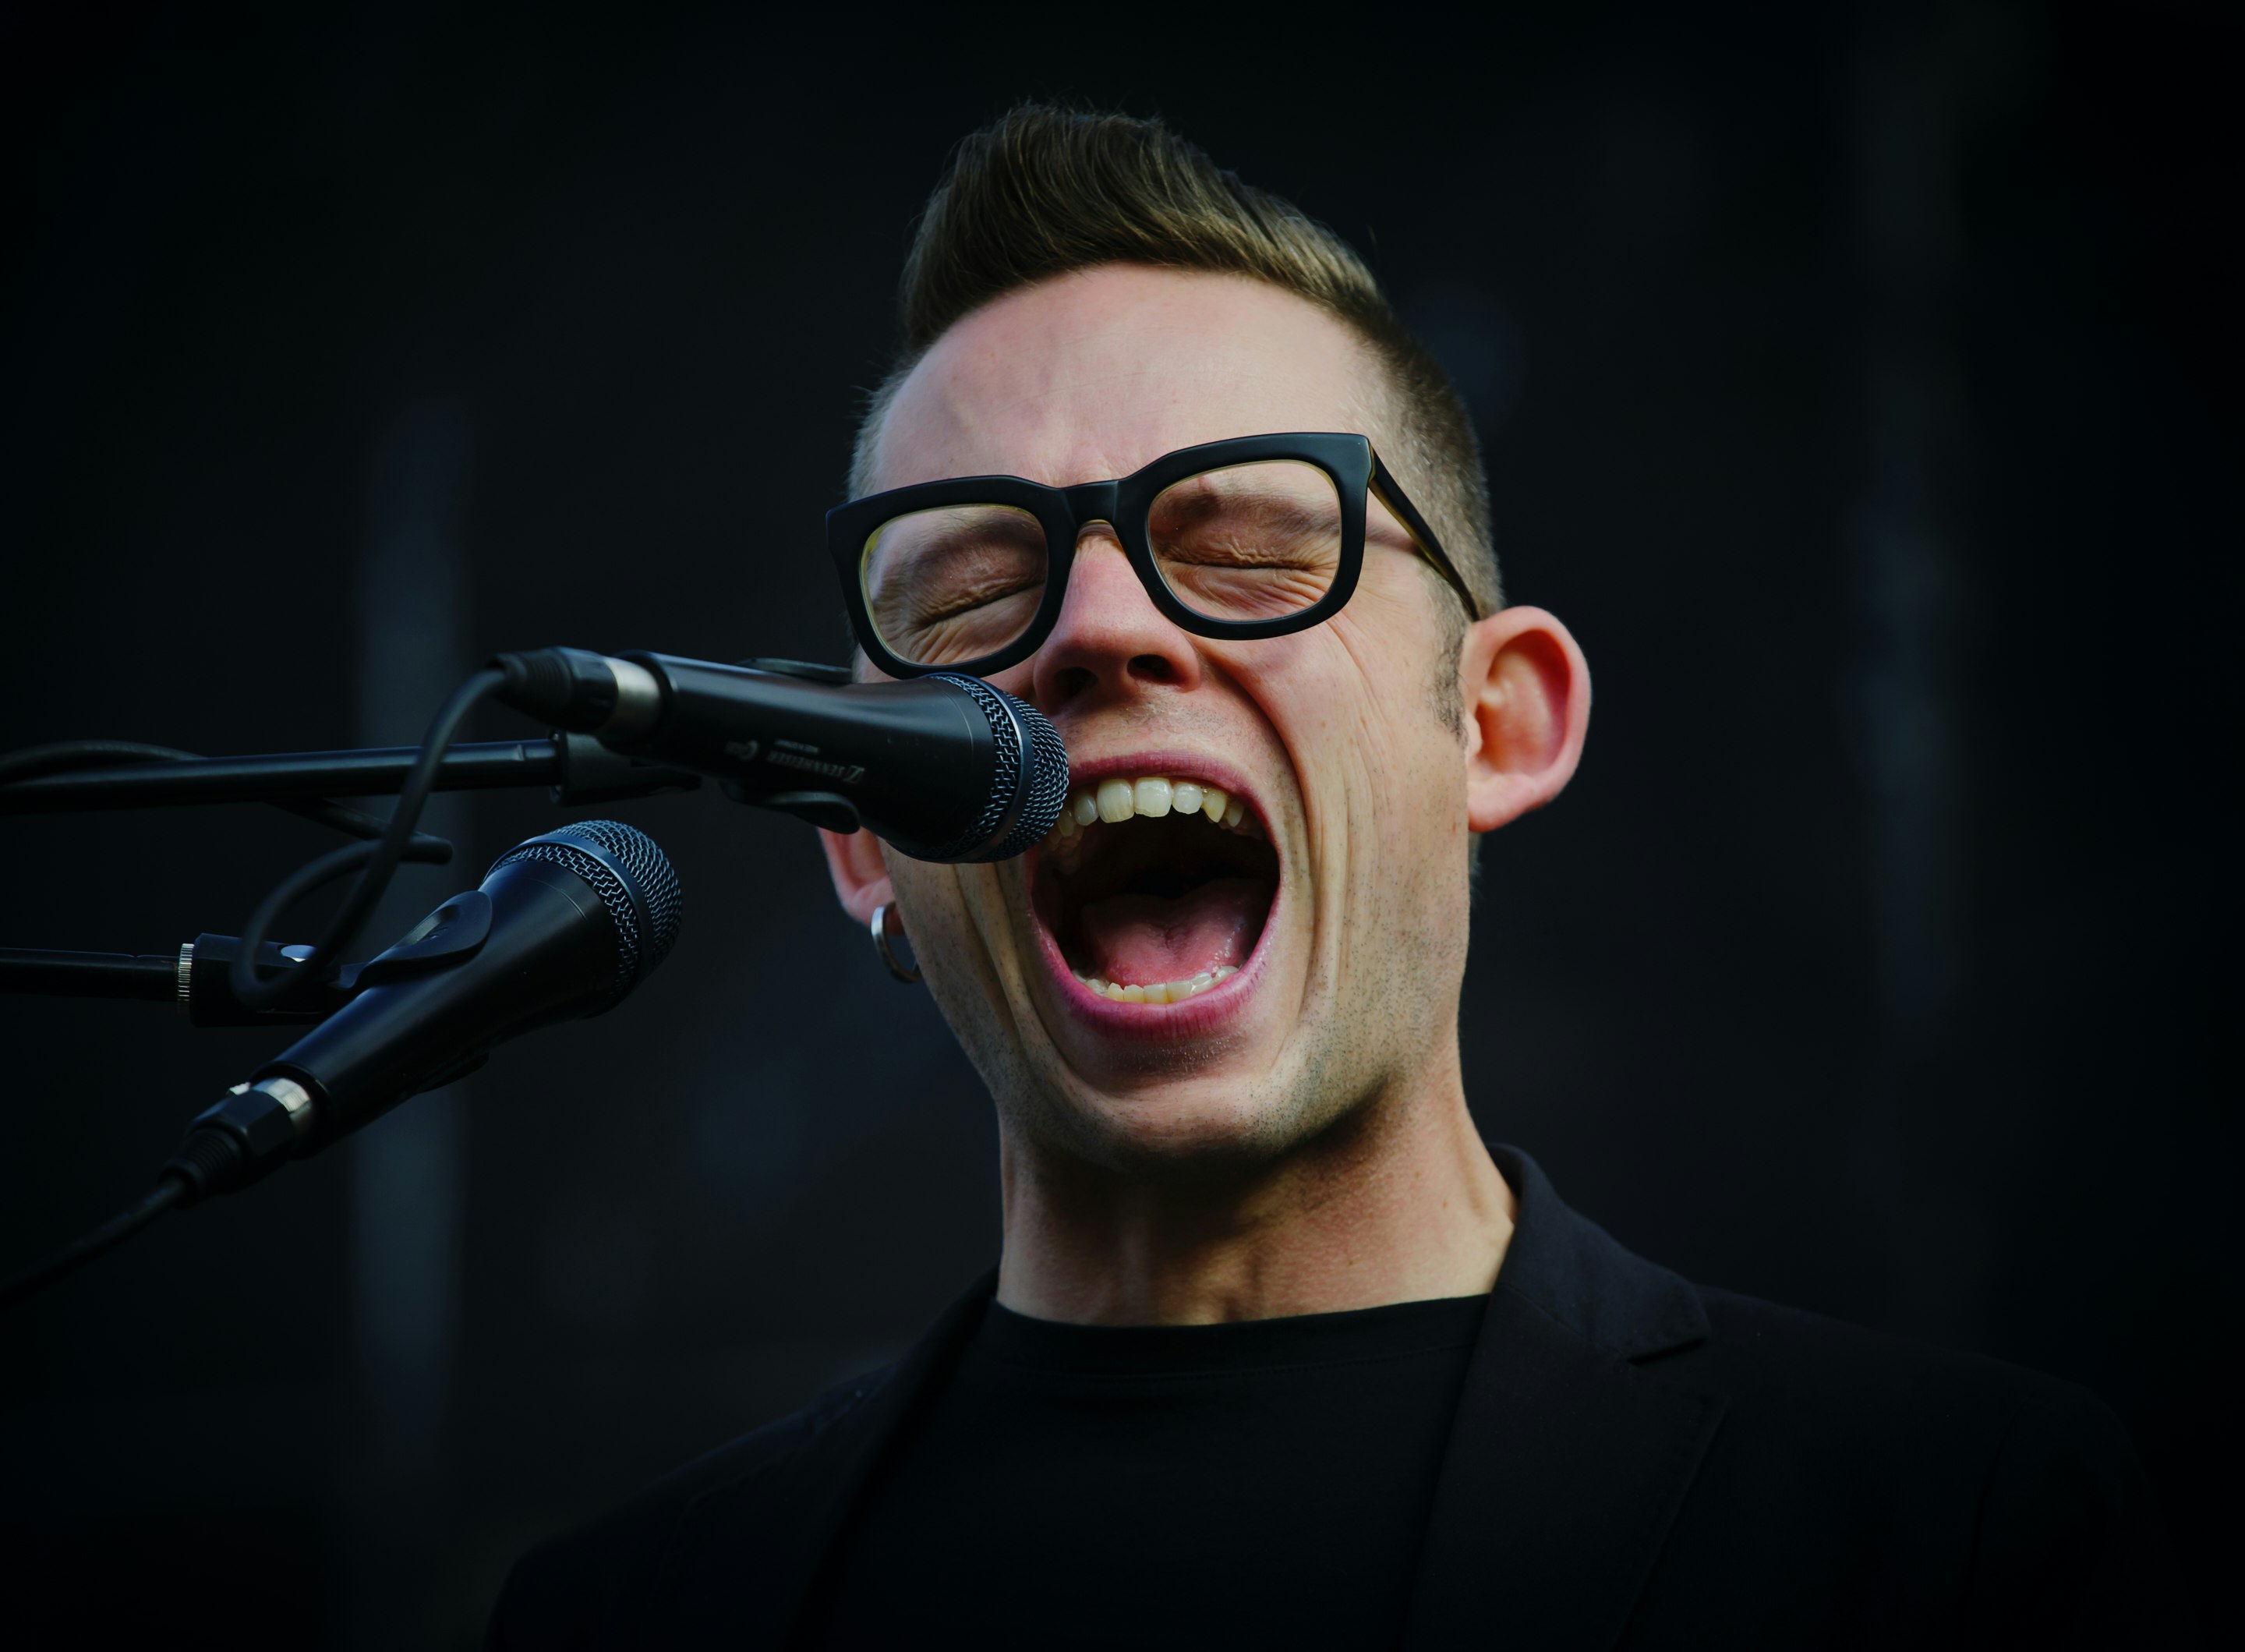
{"x": 1153, "y": 668}
{"x": 1069, "y": 682}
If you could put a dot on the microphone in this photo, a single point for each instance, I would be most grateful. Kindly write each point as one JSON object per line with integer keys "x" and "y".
{"x": 943, "y": 767}
{"x": 563, "y": 925}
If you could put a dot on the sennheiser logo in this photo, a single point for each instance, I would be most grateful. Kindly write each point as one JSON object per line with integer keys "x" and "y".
{"x": 848, "y": 773}
{"x": 744, "y": 750}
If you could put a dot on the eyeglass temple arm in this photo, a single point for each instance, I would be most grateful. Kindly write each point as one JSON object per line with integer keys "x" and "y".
{"x": 1390, "y": 493}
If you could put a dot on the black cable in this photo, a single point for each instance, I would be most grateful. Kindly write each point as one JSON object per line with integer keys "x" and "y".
{"x": 253, "y": 989}
{"x": 336, "y": 863}
{"x": 226, "y": 1148}
{"x": 115, "y": 1232}
{"x": 33, "y": 761}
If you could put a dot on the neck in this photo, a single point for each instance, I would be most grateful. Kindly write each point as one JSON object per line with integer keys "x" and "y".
{"x": 1397, "y": 1202}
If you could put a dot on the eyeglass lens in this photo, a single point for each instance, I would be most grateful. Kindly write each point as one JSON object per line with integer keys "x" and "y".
{"x": 1243, "y": 542}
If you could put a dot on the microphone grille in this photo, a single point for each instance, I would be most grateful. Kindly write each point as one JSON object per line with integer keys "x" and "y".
{"x": 631, "y": 874}
{"x": 1045, "y": 781}
{"x": 1036, "y": 779}
{"x": 650, "y": 868}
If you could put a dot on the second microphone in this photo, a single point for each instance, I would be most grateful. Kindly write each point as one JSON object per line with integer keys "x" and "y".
{"x": 943, "y": 767}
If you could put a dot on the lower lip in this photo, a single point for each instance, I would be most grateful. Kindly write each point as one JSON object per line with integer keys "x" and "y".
{"x": 1206, "y": 1011}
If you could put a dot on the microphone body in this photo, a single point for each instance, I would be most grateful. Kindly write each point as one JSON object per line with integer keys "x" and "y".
{"x": 563, "y": 926}
{"x": 943, "y": 767}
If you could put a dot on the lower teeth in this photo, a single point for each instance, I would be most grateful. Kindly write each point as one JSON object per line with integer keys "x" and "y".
{"x": 1161, "y": 991}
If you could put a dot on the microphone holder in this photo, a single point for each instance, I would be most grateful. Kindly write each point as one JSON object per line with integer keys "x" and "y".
{"x": 195, "y": 978}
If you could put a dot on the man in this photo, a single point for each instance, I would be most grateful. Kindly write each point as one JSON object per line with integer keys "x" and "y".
{"x": 1276, "y": 1350}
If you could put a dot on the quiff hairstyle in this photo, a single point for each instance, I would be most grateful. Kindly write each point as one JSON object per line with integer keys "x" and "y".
{"x": 1044, "y": 191}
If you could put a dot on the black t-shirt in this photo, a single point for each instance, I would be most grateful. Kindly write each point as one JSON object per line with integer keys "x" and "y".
{"x": 1258, "y": 1483}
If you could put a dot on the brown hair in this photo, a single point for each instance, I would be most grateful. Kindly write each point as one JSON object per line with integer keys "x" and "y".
{"x": 1043, "y": 191}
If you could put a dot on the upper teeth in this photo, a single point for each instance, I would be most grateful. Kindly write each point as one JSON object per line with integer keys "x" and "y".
{"x": 1152, "y": 795}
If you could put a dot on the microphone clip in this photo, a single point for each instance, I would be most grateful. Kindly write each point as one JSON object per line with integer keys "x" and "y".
{"x": 453, "y": 932}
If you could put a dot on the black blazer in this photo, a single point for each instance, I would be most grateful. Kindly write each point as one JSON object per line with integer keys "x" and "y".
{"x": 1636, "y": 1462}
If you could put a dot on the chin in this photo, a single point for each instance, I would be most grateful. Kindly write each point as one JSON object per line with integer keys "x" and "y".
{"x": 1205, "y": 1126}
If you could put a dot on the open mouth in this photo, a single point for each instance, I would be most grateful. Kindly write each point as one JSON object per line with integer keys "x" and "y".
{"x": 1154, "y": 889}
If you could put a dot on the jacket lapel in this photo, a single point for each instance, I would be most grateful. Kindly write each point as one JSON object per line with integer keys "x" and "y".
{"x": 745, "y": 1554}
{"x": 1566, "y": 1463}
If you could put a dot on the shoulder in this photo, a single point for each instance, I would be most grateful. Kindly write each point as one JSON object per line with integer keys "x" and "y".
{"x": 1794, "y": 1372}
{"x": 2014, "y": 1497}
{"x": 1768, "y": 1347}
{"x": 561, "y": 1593}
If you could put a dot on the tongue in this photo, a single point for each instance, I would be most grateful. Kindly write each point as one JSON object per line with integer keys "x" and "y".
{"x": 1141, "y": 939}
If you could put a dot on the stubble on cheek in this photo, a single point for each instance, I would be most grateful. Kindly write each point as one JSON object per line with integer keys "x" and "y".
{"x": 975, "y": 964}
{"x": 1391, "y": 923}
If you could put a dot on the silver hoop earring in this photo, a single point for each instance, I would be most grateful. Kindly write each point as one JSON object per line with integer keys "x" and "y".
{"x": 886, "y": 927}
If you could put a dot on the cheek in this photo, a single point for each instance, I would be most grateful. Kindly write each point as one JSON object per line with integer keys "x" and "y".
{"x": 1351, "y": 703}
{"x": 952, "y": 951}
{"x": 935, "y": 914}
{"x": 957, "y": 919}
{"x": 1381, "y": 760}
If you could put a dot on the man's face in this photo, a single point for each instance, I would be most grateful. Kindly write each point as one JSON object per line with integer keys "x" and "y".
{"x": 1340, "y": 901}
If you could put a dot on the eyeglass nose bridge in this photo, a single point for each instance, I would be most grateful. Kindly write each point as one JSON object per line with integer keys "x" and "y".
{"x": 1090, "y": 502}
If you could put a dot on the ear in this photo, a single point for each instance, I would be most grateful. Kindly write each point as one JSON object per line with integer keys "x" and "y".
{"x": 1527, "y": 696}
{"x": 861, "y": 877}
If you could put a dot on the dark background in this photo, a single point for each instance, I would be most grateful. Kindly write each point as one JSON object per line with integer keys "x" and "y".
{"x": 1853, "y": 385}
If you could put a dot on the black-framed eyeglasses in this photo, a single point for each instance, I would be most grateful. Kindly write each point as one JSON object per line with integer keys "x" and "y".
{"x": 1258, "y": 536}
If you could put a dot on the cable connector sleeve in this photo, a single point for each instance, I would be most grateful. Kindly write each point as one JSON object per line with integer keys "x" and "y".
{"x": 571, "y": 689}
{"x": 242, "y": 1139}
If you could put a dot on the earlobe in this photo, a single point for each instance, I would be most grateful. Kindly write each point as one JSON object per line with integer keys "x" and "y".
{"x": 861, "y": 877}
{"x": 1526, "y": 691}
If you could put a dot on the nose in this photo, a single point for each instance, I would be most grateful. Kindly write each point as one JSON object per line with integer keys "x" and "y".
{"x": 1110, "y": 640}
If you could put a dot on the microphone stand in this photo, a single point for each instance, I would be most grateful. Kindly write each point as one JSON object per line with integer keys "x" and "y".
{"x": 89, "y": 975}
{"x": 576, "y": 768}
{"x": 230, "y": 988}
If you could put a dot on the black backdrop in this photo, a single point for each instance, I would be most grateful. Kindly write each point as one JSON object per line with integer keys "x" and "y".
{"x": 1849, "y": 380}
